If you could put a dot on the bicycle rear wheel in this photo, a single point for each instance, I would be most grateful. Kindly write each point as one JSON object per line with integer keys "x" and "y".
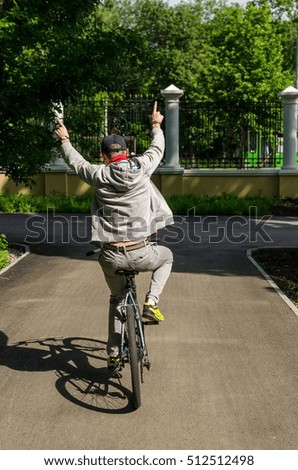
{"x": 134, "y": 357}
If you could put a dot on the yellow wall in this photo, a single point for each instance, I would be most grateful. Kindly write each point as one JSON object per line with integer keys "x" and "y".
{"x": 7, "y": 186}
{"x": 288, "y": 186}
{"x": 77, "y": 186}
{"x": 171, "y": 184}
{"x": 244, "y": 183}
{"x": 243, "y": 186}
{"x": 55, "y": 182}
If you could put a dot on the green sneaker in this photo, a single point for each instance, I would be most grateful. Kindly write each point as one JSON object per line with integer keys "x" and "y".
{"x": 152, "y": 312}
{"x": 114, "y": 363}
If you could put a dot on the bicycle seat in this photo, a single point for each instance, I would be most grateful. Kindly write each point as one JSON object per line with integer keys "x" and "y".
{"x": 127, "y": 272}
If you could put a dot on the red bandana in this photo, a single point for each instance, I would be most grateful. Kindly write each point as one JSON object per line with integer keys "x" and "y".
{"x": 118, "y": 158}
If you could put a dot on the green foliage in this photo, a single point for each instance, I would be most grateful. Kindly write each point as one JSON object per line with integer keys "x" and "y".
{"x": 4, "y": 257}
{"x": 60, "y": 51}
{"x": 283, "y": 9}
{"x": 3, "y": 241}
{"x": 58, "y": 202}
{"x": 247, "y": 60}
{"x": 174, "y": 46}
{"x": 51, "y": 51}
{"x": 227, "y": 204}
{"x": 211, "y": 49}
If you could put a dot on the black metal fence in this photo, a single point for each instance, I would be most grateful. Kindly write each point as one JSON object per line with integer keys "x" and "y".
{"x": 89, "y": 122}
{"x": 212, "y": 135}
{"x": 237, "y": 135}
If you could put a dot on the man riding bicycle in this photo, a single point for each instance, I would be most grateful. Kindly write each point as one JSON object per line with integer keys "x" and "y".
{"x": 127, "y": 209}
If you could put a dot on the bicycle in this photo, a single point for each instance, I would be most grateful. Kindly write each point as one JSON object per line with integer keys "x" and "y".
{"x": 133, "y": 349}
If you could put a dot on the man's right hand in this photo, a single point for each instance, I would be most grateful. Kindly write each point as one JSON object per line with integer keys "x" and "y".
{"x": 156, "y": 117}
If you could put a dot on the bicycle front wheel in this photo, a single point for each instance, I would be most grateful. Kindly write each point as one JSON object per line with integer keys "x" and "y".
{"x": 133, "y": 357}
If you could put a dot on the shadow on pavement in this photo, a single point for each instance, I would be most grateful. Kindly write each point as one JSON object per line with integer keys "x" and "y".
{"x": 75, "y": 362}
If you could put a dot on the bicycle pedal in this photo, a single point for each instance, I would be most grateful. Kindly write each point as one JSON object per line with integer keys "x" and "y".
{"x": 150, "y": 322}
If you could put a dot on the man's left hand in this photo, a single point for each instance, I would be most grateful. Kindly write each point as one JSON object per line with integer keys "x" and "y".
{"x": 61, "y": 132}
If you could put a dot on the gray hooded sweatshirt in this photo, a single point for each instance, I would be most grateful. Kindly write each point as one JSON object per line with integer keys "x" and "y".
{"x": 126, "y": 204}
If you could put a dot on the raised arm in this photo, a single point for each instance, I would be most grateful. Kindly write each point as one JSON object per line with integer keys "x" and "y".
{"x": 82, "y": 167}
{"x": 152, "y": 157}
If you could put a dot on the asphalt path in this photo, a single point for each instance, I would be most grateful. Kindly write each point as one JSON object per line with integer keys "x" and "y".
{"x": 224, "y": 372}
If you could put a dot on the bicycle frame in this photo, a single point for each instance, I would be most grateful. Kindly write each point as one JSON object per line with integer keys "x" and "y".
{"x": 130, "y": 299}
{"x": 133, "y": 346}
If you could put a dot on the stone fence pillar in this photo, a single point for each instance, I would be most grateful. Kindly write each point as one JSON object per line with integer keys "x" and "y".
{"x": 171, "y": 96}
{"x": 289, "y": 97}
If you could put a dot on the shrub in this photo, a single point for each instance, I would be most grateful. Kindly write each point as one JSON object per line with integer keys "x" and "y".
{"x": 226, "y": 204}
{"x": 4, "y": 255}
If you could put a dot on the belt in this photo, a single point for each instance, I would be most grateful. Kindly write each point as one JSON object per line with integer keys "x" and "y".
{"x": 123, "y": 249}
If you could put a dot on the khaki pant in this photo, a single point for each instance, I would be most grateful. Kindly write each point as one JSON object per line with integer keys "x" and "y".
{"x": 155, "y": 258}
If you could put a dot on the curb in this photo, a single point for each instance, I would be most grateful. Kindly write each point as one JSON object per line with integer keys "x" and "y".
{"x": 269, "y": 279}
{"x": 26, "y": 252}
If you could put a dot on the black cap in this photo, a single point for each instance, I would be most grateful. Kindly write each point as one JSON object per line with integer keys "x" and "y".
{"x": 113, "y": 143}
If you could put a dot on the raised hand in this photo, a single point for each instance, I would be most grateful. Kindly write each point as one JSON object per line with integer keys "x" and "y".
{"x": 156, "y": 117}
{"x": 61, "y": 131}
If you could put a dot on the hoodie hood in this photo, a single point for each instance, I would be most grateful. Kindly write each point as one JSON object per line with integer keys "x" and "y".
{"x": 122, "y": 176}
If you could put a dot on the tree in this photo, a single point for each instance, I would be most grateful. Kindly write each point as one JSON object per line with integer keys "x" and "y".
{"x": 247, "y": 59}
{"x": 211, "y": 49}
{"x": 60, "y": 50}
{"x": 173, "y": 46}
{"x": 51, "y": 50}
{"x": 285, "y": 14}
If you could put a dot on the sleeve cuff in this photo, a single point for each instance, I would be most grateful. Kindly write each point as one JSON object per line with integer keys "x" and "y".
{"x": 156, "y": 130}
